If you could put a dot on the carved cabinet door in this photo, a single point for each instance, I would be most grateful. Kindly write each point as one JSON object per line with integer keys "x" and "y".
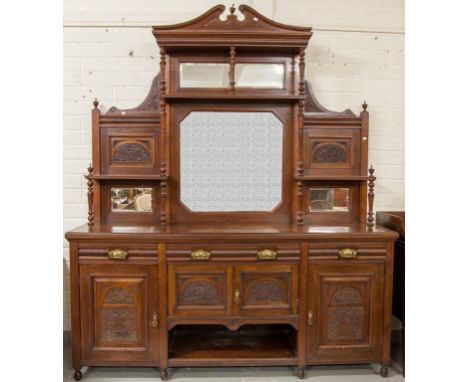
{"x": 119, "y": 313}
{"x": 345, "y": 317}
{"x": 199, "y": 289}
{"x": 265, "y": 289}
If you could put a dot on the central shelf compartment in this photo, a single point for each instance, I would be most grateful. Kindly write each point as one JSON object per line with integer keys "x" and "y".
{"x": 215, "y": 345}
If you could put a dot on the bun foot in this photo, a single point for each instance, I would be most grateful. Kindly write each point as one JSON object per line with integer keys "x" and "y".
{"x": 300, "y": 372}
{"x": 77, "y": 375}
{"x": 384, "y": 371}
{"x": 163, "y": 374}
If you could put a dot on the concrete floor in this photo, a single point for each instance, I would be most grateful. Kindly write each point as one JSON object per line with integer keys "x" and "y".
{"x": 349, "y": 373}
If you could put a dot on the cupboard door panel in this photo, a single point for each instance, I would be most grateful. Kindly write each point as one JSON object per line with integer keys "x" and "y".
{"x": 199, "y": 290}
{"x": 346, "y": 311}
{"x": 118, "y": 303}
{"x": 265, "y": 289}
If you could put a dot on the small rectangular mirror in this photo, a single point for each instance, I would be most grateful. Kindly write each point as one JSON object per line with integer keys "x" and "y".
{"x": 259, "y": 76}
{"x": 132, "y": 199}
{"x": 204, "y": 75}
{"x": 332, "y": 199}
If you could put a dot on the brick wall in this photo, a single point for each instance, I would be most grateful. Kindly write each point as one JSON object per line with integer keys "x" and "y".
{"x": 355, "y": 54}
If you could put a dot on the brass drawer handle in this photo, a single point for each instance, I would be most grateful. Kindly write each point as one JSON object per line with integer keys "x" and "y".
{"x": 200, "y": 254}
{"x": 310, "y": 318}
{"x": 266, "y": 254}
{"x": 154, "y": 321}
{"x": 347, "y": 253}
{"x": 117, "y": 254}
{"x": 237, "y": 296}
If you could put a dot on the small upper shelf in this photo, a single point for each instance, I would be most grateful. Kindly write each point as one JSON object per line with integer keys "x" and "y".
{"x": 130, "y": 177}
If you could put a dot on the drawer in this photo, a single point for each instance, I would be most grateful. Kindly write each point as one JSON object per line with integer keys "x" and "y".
{"x": 117, "y": 252}
{"x": 348, "y": 251}
{"x": 209, "y": 252}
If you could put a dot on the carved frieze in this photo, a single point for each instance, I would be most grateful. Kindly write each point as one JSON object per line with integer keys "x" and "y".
{"x": 330, "y": 153}
{"x": 131, "y": 152}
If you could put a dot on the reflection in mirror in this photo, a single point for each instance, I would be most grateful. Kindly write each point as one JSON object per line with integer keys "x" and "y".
{"x": 132, "y": 199}
{"x": 260, "y": 76}
{"x": 231, "y": 161}
{"x": 329, "y": 199}
{"x": 204, "y": 75}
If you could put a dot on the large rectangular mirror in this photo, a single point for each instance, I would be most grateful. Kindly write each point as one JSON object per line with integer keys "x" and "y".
{"x": 231, "y": 161}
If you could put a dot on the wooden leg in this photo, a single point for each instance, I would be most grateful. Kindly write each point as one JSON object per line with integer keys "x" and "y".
{"x": 300, "y": 372}
{"x": 384, "y": 371}
{"x": 163, "y": 374}
{"x": 78, "y": 375}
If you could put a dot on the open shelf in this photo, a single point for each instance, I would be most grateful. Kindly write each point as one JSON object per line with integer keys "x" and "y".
{"x": 331, "y": 177}
{"x": 264, "y": 96}
{"x": 215, "y": 345}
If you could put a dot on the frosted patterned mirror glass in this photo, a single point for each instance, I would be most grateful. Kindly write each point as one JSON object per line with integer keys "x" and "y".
{"x": 204, "y": 75}
{"x": 260, "y": 76}
{"x": 329, "y": 199}
{"x": 132, "y": 199}
{"x": 231, "y": 161}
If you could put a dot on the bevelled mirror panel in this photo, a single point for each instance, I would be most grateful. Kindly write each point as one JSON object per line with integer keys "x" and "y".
{"x": 204, "y": 75}
{"x": 259, "y": 76}
{"x": 131, "y": 199}
{"x": 329, "y": 199}
{"x": 231, "y": 161}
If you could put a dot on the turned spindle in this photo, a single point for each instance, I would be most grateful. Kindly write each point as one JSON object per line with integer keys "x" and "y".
{"x": 90, "y": 183}
{"x": 370, "y": 197}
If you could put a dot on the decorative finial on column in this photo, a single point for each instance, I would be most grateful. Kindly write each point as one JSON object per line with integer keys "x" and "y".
{"x": 364, "y": 106}
{"x": 232, "y": 9}
{"x": 95, "y": 103}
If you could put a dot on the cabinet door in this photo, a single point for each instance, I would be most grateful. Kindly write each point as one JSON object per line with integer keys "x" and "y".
{"x": 199, "y": 289}
{"x": 346, "y": 312}
{"x": 265, "y": 289}
{"x": 118, "y": 306}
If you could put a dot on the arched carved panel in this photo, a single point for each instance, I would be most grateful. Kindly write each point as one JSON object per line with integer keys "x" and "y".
{"x": 199, "y": 292}
{"x": 330, "y": 153}
{"x": 266, "y": 291}
{"x": 346, "y": 295}
{"x": 118, "y": 296}
{"x": 131, "y": 152}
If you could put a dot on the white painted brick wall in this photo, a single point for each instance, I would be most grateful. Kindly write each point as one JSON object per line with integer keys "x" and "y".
{"x": 355, "y": 54}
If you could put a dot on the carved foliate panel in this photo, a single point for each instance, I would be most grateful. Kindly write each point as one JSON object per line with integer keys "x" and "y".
{"x": 326, "y": 152}
{"x": 131, "y": 152}
{"x": 266, "y": 289}
{"x": 346, "y": 303}
{"x": 198, "y": 289}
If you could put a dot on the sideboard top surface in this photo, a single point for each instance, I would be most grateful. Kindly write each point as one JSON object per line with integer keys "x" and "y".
{"x": 230, "y": 231}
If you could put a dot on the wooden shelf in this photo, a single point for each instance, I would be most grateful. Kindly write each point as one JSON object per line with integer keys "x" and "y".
{"x": 130, "y": 177}
{"x": 331, "y": 177}
{"x": 225, "y": 96}
{"x": 211, "y": 345}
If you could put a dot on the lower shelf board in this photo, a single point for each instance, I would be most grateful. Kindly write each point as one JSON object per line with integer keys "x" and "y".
{"x": 215, "y": 345}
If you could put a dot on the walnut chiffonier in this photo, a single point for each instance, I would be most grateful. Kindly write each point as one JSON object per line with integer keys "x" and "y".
{"x": 230, "y": 215}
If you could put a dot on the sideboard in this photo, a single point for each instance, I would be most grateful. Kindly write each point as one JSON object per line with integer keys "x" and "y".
{"x": 230, "y": 216}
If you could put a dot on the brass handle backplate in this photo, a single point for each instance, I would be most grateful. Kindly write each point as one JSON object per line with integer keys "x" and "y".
{"x": 117, "y": 254}
{"x": 200, "y": 254}
{"x": 237, "y": 296}
{"x": 310, "y": 318}
{"x": 347, "y": 253}
{"x": 154, "y": 321}
{"x": 266, "y": 254}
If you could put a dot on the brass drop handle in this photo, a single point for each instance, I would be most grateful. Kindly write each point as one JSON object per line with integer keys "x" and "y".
{"x": 200, "y": 254}
{"x": 237, "y": 299}
{"x": 154, "y": 321}
{"x": 266, "y": 254}
{"x": 310, "y": 318}
{"x": 347, "y": 253}
{"x": 117, "y": 254}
